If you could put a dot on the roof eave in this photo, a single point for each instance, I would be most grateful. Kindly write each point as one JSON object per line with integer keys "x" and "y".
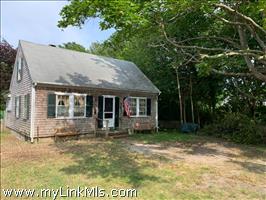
{"x": 48, "y": 84}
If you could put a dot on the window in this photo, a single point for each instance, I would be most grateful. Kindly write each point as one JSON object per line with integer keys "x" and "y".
{"x": 142, "y": 106}
{"x": 62, "y": 107}
{"x": 138, "y": 106}
{"x": 9, "y": 104}
{"x": 68, "y": 105}
{"x": 26, "y": 106}
{"x": 133, "y": 106}
{"x": 17, "y": 107}
{"x": 79, "y": 106}
{"x": 19, "y": 68}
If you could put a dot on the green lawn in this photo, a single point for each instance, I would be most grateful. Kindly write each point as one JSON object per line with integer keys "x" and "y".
{"x": 169, "y": 136}
{"x": 110, "y": 164}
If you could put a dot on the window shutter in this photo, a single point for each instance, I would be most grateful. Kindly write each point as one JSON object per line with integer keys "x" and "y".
{"x": 16, "y": 106}
{"x": 28, "y": 106}
{"x": 100, "y": 111}
{"x": 25, "y": 107}
{"x": 89, "y": 105}
{"x": 51, "y": 105}
{"x": 117, "y": 103}
{"x": 19, "y": 110}
{"x": 148, "y": 106}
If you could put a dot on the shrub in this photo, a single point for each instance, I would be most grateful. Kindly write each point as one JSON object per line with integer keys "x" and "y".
{"x": 238, "y": 128}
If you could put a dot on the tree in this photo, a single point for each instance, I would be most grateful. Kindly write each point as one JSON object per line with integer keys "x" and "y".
{"x": 74, "y": 46}
{"x": 184, "y": 38}
{"x": 222, "y": 32}
{"x": 7, "y": 59}
{"x": 244, "y": 39}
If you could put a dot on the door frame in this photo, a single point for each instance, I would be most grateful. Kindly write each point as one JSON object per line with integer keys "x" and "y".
{"x": 113, "y": 118}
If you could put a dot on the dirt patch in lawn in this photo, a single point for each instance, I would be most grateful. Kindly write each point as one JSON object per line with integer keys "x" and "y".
{"x": 228, "y": 164}
{"x": 206, "y": 152}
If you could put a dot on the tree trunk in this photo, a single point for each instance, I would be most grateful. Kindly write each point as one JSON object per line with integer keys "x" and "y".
{"x": 184, "y": 110}
{"x": 191, "y": 100}
{"x": 198, "y": 116}
{"x": 179, "y": 95}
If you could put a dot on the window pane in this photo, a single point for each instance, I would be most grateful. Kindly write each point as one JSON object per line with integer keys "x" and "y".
{"x": 79, "y": 106}
{"x": 108, "y": 104}
{"x": 133, "y": 106}
{"x": 108, "y": 115}
{"x": 19, "y": 66}
{"x": 63, "y": 106}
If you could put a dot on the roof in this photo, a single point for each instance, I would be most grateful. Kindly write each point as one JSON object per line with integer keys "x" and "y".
{"x": 54, "y": 65}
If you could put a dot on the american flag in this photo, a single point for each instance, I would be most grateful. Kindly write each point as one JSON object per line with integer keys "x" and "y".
{"x": 127, "y": 106}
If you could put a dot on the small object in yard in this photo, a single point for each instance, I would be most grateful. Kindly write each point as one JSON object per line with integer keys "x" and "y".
{"x": 130, "y": 132}
{"x": 189, "y": 127}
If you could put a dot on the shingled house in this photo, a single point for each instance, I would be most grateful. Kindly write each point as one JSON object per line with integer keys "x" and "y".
{"x": 56, "y": 90}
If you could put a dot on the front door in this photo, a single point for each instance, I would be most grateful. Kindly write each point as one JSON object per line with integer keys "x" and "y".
{"x": 109, "y": 111}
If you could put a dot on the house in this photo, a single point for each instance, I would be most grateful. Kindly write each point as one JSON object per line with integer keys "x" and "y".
{"x": 54, "y": 89}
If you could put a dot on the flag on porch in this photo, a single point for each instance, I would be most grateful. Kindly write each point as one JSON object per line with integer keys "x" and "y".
{"x": 126, "y": 103}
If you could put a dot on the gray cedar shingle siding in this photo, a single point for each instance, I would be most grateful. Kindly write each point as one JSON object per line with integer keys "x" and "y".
{"x": 46, "y": 126}
{"x": 19, "y": 88}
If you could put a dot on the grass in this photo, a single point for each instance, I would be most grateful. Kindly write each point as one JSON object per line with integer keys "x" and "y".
{"x": 110, "y": 164}
{"x": 164, "y": 136}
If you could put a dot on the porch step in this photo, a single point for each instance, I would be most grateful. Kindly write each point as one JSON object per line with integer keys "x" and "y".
{"x": 118, "y": 136}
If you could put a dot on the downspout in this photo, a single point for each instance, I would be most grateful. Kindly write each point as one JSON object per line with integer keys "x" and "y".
{"x": 32, "y": 116}
{"x": 156, "y": 114}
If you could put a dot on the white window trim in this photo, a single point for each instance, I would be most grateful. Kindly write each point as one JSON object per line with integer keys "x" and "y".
{"x": 17, "y": 107}
{"x": 9, "y": 104}
{"x": 71, "y": 105}
{"x": 19, "y": 66}
{"x": 137, "y": 107}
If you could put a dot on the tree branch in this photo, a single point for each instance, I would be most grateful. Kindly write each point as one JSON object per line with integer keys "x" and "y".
{"x": 246, "y": 18}
{"x": 232, "y": 53}
{"x": 231, "y": 73}
{"x": 213, "y": 38}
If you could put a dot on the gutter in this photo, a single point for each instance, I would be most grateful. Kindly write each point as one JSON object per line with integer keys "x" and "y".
{"x": 48, "y": 84}
{"x": 32, "y": 116}
{"x": 156, "y": 113}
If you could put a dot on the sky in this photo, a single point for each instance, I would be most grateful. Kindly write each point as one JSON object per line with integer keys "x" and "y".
{"x": 36, "y": 21}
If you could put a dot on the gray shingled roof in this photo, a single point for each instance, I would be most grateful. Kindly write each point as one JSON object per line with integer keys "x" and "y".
{"x": 53, "y": 65}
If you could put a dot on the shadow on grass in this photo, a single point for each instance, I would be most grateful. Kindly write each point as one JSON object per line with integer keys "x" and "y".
{"x": 201, "y": 145}
{"x": 106, "y": 159}
{"x": 252, "y": 167}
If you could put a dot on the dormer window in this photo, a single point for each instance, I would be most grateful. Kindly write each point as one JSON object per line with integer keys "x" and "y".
{"x": 19, "y": 68}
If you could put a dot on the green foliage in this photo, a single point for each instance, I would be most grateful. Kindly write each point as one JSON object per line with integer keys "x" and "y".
{"x": 2, "y": 114}
{"x": 7, "y": 59}
{"x": 238, "y": 128}
{"x": 204, "y": 69}
{"x": 74, "y": 46}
